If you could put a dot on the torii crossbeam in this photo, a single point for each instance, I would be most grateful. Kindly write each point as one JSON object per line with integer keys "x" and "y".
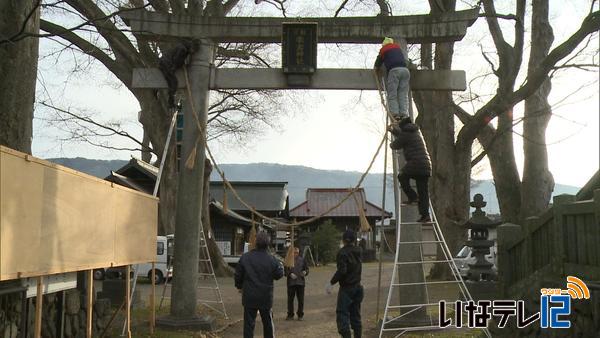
{"x": 443, "y": 27}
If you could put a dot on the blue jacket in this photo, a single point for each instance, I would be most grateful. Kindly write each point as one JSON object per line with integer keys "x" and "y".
{"x": 391, "y": 55}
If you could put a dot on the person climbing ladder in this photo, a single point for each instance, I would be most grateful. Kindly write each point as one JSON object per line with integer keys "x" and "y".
{"x": 398, "y": 77}
{"x": 418, "y": 164}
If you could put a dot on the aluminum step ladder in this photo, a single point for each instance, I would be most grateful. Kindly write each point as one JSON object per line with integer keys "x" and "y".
{"x": 208, "y": 284}
{"x": 411, "y": 304}
{"x": 207, "y": 280}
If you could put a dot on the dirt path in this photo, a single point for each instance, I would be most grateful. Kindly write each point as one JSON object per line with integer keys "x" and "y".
{"x": 319, "y": 308}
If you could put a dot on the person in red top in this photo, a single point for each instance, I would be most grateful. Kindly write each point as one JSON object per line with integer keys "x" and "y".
{"x": 398, "y": 77}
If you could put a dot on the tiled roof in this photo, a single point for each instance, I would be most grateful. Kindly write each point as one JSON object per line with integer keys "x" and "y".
{"x": 319, "y": 200}
{"x": 263, "y": 196}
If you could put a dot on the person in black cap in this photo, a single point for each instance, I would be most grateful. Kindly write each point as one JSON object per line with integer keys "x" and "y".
{"x": 407, "y": 136}
{"x": 349, "y": 268}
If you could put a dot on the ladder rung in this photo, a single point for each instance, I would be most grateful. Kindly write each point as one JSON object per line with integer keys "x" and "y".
{"x": 204, "y": 260}
{"x": 208, "y": 287}
{"x": 205, "y": 274}
{"x": 426, "y": 283}
{"x": 415, "y": 328}
{"x": 421, "y": 242}
{"x": 417, "y": 223}
{"x": 411, "y": 305}
{"x": 209, "y": 301}
{"x": 423, "y": 262}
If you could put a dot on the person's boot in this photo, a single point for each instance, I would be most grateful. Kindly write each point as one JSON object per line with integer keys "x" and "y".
{"x": 357, "y": 333}
{"x": 346, "y": 334}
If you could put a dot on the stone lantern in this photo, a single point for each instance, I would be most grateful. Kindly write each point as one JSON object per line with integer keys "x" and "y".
{"x": 479, "y": 225}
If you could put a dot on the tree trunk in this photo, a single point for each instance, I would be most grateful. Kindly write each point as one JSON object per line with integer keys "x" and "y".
{"x": 146, "y": 153}
{"x": 538, "y": 181}
{"x": 221, "y": 268}
{"x": 18, "y": 66}
{"x": 156, "y": 118}
{"x": 501, "y": 154}
{"x": 450, "y": 181}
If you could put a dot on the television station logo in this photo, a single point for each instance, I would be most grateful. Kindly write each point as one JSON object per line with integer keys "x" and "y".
{"x": 555, "y": 306}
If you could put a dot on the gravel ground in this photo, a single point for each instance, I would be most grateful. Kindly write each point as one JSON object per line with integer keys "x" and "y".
{"x": 319, "y": 308}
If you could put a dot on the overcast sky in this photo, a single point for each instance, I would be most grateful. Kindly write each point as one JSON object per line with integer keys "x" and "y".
{"x": 334, "y": 129}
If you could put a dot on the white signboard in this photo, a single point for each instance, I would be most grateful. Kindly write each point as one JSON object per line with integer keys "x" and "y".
{"x": 51, "y": 283}
{"x": 224, "y": 247}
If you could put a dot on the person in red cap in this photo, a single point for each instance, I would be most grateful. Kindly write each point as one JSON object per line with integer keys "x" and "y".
{"x": 397, "y": 79}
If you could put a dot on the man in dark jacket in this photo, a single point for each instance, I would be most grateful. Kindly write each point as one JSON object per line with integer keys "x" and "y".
{"x": 295, "y": 285}
{"x": 417, "y": 167}
{"x": 254, "y": 275}
{"x": 348, "y": 273}
{"x": 172, "y": 60}
{"x": 398, "y": 76}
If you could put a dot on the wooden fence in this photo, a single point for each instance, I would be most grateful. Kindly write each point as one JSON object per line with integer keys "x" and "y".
{"x": 565, "y": 240}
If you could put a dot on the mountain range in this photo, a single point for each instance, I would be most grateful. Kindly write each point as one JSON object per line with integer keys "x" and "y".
{"x": 300, "y": 178}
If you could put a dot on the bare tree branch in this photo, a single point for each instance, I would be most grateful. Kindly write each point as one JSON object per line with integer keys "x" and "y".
{"x": 384, "y": 8}
{"x": 501, "y": 103}
{"x": 342, "y": 5}
{"x": 112, "y": 130}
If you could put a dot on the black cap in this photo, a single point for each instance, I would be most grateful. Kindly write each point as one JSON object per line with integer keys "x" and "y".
{"x": 349, "y": 236}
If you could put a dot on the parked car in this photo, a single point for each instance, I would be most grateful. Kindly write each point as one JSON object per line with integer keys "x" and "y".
{"x": 164, "y": 252}
{"x": 464, "y": 257}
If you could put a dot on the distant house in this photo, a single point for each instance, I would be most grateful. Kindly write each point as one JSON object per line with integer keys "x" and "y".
{"x": 230, "y": 230}
{"x": 230, "y": 226}
{"x": 269, "y": 198}
{"x": 346, "y": 216}
{"x": 136, "y": 174}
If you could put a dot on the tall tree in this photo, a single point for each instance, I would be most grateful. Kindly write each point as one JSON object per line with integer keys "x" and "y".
{"x": 18, "y": 66}
{"x": 451, "y": 148}
{"x": 103, "y": 36}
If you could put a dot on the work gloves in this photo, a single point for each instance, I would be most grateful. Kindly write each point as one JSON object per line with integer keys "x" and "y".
{"x": 328, "y": 288}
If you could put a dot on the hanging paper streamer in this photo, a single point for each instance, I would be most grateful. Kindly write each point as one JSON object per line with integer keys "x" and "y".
{"x": 252, "y": 235}
{"x": 224, "y": 195}
{"x": 289, "y": 257}
{"x": 364, "y": 223}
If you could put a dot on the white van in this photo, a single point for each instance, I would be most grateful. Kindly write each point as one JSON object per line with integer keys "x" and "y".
{"x": 164, "y": 250}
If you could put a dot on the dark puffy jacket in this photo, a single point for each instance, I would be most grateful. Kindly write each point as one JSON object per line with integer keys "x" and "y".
{"x": 299, "y": 266}
{"x": 349, "y": 266}
{"x": 254, "y": 274}
{"x": 391, "y": 55}
{"x": 410, "y": 139}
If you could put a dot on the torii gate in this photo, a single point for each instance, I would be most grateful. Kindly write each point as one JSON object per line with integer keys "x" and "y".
{"x": 445, "y": 27}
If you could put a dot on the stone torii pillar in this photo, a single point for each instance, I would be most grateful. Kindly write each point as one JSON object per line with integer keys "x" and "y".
{"x": 188, "y": 219}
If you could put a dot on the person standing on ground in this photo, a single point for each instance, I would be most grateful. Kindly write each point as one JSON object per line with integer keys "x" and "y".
{"x": 418, "y": 165}
{"x": 254, "y": 276}
{"x": 398, "y": 77}
{"x": 351, "y": 293}
{"x": 295, "y": 285}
